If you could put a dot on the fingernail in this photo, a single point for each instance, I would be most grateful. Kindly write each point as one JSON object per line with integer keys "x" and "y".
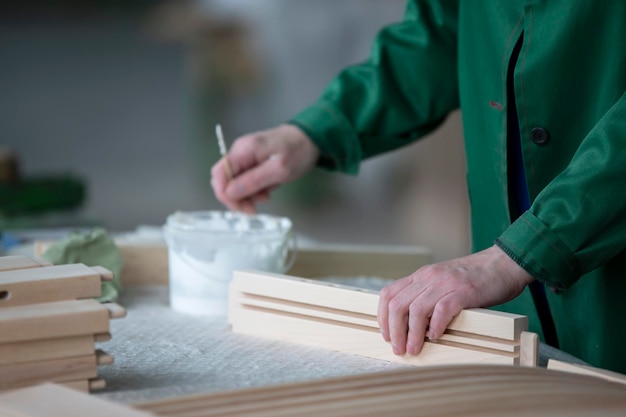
{"x": 431, "y": 335}
{"x": 410, "y": 349}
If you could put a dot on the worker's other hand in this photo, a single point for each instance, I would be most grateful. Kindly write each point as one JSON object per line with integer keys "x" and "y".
{"x": 260, "y": 162}
{"x": 431, "y": 297}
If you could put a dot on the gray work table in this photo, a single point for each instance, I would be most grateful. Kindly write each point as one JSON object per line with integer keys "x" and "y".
{"x": 161, "y": 353}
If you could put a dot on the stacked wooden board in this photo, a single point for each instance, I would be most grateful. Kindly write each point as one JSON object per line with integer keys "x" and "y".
{"x": 50, "y": 322}
{"x": 344, "y": 319}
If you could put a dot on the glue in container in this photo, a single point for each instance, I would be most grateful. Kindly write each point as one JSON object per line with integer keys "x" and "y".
{"x": 205, "y": 247}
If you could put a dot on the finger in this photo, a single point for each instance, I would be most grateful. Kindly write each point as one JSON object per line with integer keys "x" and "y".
{"x": 399, "y": 315}
{"x": 386, "y": 295}
{"x": 446, "y": 309}
{"x": 419, "y": 317}
{"x": 268, "y": 174}
{"x": 219, "y": 180}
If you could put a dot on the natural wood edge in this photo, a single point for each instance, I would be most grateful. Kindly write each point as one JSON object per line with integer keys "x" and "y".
{"x": 605, "y": 374}
{"x": 116, "y": 311}
{"x": 97, "y": 384}
{"x": 102, "y": 337}
{"x": 105, "y": 274}
{"x": 529, "y": 346}
{"x": 103, "y": 358}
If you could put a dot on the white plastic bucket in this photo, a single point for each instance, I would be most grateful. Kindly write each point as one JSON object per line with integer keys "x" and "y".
{"x": 205, "y": 247}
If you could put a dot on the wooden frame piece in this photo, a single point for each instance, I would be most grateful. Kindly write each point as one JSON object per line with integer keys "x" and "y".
{"x": 466, "y": 390}
{"x": 48, "y": 349}
{"x": 51, "y": 283}
{"x": 605, "y": 374}
{"x": 344, "y": 319}
{"x": 53, "y": 320}
{"x": 16, "y": 262}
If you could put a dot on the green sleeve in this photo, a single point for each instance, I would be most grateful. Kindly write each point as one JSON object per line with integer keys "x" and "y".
{"x": 578, "y": 222}
{"x": 404, "y": 91}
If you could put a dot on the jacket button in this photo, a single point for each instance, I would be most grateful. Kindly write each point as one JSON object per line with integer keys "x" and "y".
{"x": 539, "y": 135}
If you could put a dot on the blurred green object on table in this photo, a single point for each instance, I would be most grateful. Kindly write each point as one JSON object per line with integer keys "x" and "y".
{"x": 93, "y": 248}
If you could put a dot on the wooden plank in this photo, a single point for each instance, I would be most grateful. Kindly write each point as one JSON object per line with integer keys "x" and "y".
{"x": 85, "y": 385}
{"x": 359, "y": 340}
{"x": 30, "y": 373}
{"x": 342, "y": 260}
{"x": 320, "y": 294}
{"x": 46, "y": 349}
{"x": 340, "y": 316}
{"x": 53, "y": 320}
{"x": 103, "y": 358}
{"x": 52, "y": 400}
{"x": 469, "y": 390}
{"x": 529, "y": 347}
{"x": 52, "y": 283}
{"x": 605, "y": 374}
{"x": 116, "y": 311}
{"x": 15, "y": 262}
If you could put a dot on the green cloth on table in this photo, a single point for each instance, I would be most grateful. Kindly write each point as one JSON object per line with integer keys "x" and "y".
{"x": 95, "y": 248}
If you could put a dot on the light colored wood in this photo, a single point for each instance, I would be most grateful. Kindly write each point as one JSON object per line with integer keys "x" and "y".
{"x": 143, "y": 264}
{"x": 52, "y": 400}
{"x": 557, "y": 365}
{"x": 102, "y": 337}
{"x": 105, "y": 274}
{"x": 85, "y": 385}
{"x": 356, "y": 340}
{"x": 461, "y": 391}
{"x": 343, "y": 260}
{"x": 116, "y": 311}
{"x": 46, "y": 349}
{"x": 103, "y": 358}
{"x": 51, "y": 283}
{"x": 529, "y": 343}
{"x": 97, "y": 384}
{"x": 369, "y": 321}
{"x": 15, "y": 262}
{"x": 53, "y": 320}
{"x": 81, "y": 385}
{"x": 352, "y": 300}
{"x": 30, "y": 373}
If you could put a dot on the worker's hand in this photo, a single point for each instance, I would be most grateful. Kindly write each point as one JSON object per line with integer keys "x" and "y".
{"x": 260, "y": 162}
{"x": 431, "y": 297}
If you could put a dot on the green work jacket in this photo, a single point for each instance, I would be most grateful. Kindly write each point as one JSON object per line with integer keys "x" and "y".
{"x": 570, "y": 83}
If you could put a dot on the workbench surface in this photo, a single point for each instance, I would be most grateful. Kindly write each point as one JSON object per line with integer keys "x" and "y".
{"x": 160, "y": 353}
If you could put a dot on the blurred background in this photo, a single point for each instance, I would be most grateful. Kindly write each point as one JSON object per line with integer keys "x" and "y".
{"x": 108, "y": 109}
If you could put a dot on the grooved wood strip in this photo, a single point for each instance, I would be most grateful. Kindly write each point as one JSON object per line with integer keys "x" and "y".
{"x": 351, "y": 339}
{"x": 354, "y": 300}
{"x": 356, "y": 320}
